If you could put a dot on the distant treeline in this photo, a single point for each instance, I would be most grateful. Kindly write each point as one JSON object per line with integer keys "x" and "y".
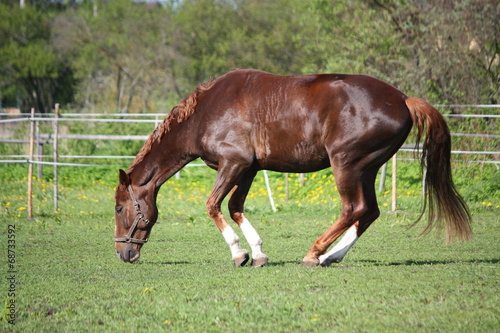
{"x": 143, "y": 56}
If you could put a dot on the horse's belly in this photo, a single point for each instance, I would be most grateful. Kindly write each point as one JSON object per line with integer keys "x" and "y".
{"x": 298, "y": 158}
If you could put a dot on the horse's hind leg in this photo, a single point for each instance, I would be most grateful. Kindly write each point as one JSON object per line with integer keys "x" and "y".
{"x": 358, "y": 208}
{"x": 236, "y": 203}
{"x": 337, "y": 253}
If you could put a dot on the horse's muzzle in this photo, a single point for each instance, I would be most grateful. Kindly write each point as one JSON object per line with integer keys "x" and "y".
{"x": 127, "y": 253}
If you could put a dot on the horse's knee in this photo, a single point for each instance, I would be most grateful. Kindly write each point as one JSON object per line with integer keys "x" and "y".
{"x": 354, "y": 212}
{"x": 361, "y": 213}
{"x": 213, "y": 209}
{"x": 371, "y": 215}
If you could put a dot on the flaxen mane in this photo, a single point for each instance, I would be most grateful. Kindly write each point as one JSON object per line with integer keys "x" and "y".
{"x": 178, "y": 114}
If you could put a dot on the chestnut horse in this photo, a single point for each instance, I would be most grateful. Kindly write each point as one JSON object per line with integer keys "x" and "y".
{"x": 248, "y": 120}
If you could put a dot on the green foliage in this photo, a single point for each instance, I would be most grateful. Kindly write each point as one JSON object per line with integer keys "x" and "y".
{"x": 36, "y": 59}
{"x": 449, "y": 55}
{"x": 247, "y": 34}
{"x": 485, "y": 189}
{"x": 350, "y": 38}
{"x": 120, "y": 54}
{"x": 31, "y": 69}
{"x": 130, "y": 56}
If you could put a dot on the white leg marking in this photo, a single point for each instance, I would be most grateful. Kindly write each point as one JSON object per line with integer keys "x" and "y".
{"x": 252, "y": 238}
{"x": 340, "y": 250}
{"x": 233, "y": 241}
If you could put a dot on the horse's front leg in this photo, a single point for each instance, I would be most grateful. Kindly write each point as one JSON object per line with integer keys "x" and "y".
{"x": 240, "y": 256}
{"x": 224, "y": 182}
{"x": 258, "y": 257}
{"x": 236, "y": 204}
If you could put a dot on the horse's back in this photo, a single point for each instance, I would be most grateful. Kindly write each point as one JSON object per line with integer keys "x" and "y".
{"x": 296, "y": 123}
{"x": 263, "y": 94}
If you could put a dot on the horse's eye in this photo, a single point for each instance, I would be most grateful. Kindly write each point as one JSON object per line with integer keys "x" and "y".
{"x": 119, "y": 210}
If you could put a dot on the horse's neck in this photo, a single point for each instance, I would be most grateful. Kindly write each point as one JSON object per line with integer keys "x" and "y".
{"x": 163, "y": 161}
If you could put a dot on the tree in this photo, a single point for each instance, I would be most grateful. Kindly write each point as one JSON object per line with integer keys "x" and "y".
{"x": 452, "y": 48}
{"x": 31, "y": 69}
{"x": 131, "y": 56}
{"x": 122, "y": 52}
{"x": 351, "y": 37}
{"x": 218, "y": 36}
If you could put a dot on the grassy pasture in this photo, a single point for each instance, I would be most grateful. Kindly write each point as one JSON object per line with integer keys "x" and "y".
{"x": 69, "y": 279}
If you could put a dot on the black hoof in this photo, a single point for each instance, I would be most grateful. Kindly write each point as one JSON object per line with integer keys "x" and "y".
{"x": 241, "y": 260}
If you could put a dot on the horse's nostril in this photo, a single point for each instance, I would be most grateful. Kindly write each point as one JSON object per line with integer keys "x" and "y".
{"x": 123, "y": 254}
{"x": 128, "y": 253}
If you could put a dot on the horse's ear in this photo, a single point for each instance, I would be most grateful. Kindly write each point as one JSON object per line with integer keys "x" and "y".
{"x": 124, "y": 178}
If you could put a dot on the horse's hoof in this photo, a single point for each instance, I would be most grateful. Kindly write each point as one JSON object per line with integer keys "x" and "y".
{"x": 326, "y": 263}
{"x": 259, "y": 261}
{"x": 310, "y": 262}
{"x": 241, "y": 260}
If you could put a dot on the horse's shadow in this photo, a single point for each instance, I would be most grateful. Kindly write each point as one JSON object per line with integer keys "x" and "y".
{"x": 167, "y": 263}
{"x": 429, "y": 262}
{"x": 173, "y": 263}
{"x": 364, "y": 261}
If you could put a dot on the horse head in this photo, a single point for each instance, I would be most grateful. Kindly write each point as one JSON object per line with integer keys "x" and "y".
{"x": 135, "y": 215}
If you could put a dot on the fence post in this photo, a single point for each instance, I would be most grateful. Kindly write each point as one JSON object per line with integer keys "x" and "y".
{"x": 287, "y": 187}
{"x": 56, "y": 157}
{"x": 394, "y": 182}
{"x": 269, "y": 192}
{"x": 301, "y": 179}
{"x": 30, "y": 164}
{"x": 383, "y": 173}
{"x": 39, "y": 149}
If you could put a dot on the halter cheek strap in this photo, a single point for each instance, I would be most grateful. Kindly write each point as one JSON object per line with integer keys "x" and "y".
{"x": 140, "y": 216}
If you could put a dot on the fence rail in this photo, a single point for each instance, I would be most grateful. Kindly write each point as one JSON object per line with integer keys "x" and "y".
{"x": 48, "y": 138}
{"x": 39, "y": 139}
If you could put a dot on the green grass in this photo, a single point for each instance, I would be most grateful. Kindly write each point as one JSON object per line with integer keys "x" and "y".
{"x": 70, "y": 280}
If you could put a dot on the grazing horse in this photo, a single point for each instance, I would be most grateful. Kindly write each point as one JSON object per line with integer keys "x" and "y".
{"x": 248, "y": 120}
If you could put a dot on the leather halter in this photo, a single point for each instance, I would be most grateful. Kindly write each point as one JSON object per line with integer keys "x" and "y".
{"x": 140, "y": 216}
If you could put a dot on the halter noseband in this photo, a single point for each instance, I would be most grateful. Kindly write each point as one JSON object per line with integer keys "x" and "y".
{"x": 140, "y": 216}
